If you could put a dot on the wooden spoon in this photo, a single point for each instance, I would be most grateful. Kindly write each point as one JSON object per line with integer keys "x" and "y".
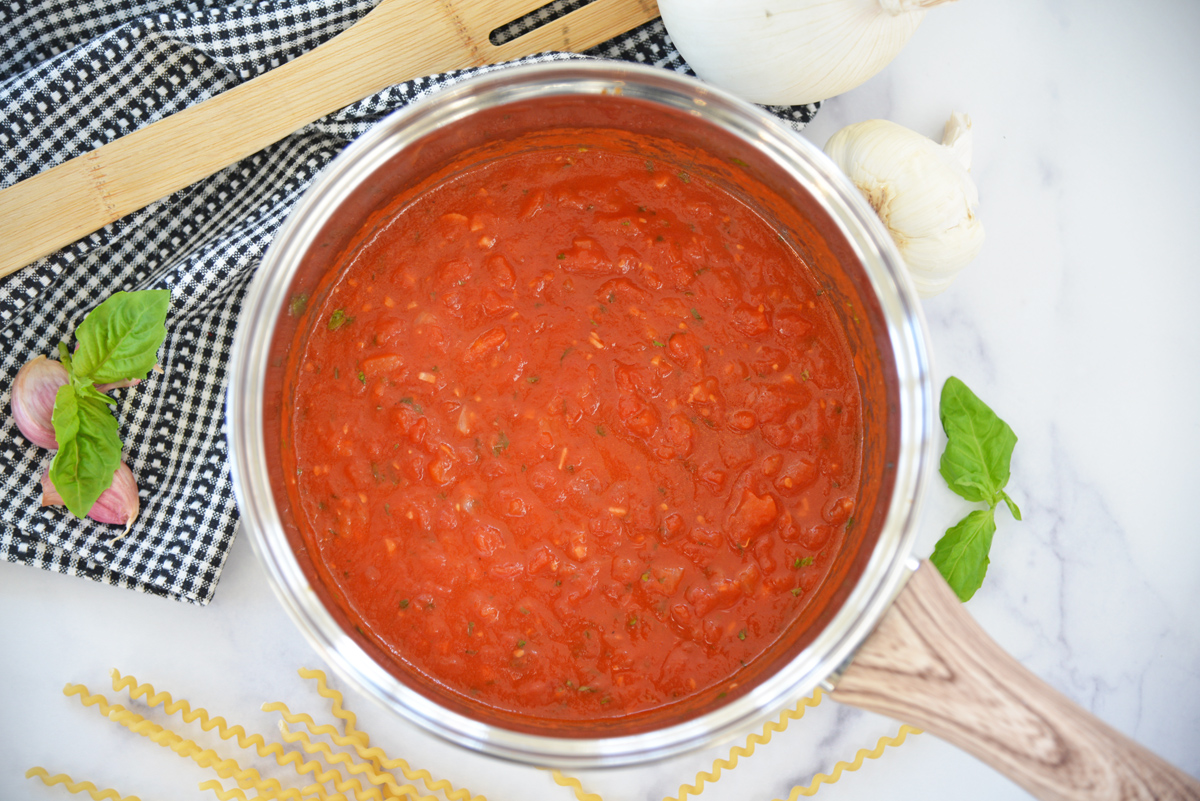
{"x": 930, "y": 664}
{"x": 398, "y": 40}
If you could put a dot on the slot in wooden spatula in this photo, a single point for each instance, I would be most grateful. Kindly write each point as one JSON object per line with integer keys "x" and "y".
{"x": 398, "y": 40}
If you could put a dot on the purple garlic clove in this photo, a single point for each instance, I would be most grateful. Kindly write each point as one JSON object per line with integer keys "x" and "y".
{"x": 33, "y": 394}
{"x": 117, "y": 505}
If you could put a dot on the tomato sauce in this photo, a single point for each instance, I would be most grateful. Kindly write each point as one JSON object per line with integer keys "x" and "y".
{"x": 575, "y": 435}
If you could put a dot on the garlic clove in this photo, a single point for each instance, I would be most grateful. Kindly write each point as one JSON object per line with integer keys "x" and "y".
{"x": 33, "y": 392}
{"x": 921, "y": 190}
{"x": 117, "y": 505}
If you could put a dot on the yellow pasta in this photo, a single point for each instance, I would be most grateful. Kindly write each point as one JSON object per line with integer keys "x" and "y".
{"x": 349, "y": 720}
{"x": 237, "y": 794}
{"x": 373, "y": 775}
{"x": 862, "y": 755}
{"x": 785, "y": 717}
{"x": 87, "y": 698}
{"x": 575, "y": 785}
{"x": 255, "y": 742}
{"x": 73, "y": 786}
{"x": 753, "y": 740}
{"x": 335, "y": 700}
{"x": 356, "y": 742}
{"x": 373, "y": 763}
{"x": 246, "y": 741}
{"x": 205, "y": 758}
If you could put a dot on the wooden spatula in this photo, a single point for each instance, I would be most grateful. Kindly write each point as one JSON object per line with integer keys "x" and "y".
{"x": 396, "y": 41}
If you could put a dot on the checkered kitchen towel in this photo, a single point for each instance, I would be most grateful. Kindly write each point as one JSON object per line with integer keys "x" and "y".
{"x": 75, "y": 74}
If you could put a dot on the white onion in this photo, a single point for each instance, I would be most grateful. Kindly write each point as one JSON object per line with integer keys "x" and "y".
{"x": 790, "y": 52}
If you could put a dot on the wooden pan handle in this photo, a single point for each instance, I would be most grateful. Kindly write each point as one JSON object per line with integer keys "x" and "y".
{"x": 930, "y": 664}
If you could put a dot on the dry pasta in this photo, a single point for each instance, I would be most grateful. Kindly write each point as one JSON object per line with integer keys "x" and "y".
{"x": 360, "y": 744}
{"x": 570, "y": 781}
{"x": 373, "y": 763}
{"x": 255, "y": 742}
{"x": 205, "y": 758}
{"x": 737, "y": 752}
{"x": 785, "y": 717}
{"x": 77, "y": 787}
{"x": 862, "y": 755}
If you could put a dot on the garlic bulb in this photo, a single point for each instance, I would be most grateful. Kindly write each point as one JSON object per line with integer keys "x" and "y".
{"x": 119, "y": 504}
{"x": 33, "y": 392}
{"x": 789, "y": 52}
{"x": 921, "y": 190}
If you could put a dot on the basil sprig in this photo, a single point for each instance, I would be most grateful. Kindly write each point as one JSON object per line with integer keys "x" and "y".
{"x": 975, "y": 465}
{"x": 117, "y": 341}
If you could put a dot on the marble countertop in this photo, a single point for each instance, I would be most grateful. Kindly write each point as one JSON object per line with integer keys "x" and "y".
{"x": 1077, "y": 324}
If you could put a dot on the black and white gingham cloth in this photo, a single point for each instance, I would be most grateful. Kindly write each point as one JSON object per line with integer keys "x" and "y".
{"x": 75, "y": 74}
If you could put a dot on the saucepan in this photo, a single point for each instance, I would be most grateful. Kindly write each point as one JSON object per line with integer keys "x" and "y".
{"x": 885, "y": 633}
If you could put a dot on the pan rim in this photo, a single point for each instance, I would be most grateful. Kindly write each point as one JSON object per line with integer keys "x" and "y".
{"x": 888, "y": 566}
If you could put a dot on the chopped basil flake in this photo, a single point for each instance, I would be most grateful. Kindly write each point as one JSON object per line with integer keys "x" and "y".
{"x": 339, "y": 319}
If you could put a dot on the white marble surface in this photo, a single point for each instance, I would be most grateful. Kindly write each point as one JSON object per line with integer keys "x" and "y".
{"x": 1078, "y": 324}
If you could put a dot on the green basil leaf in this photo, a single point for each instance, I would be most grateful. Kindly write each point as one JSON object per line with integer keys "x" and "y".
{"x": 119, "y": 339}
{"x": 1012, "y": 506}
{"x": 976, "y": 461}
{"x": 90, "y": 391}
{"x": 961, "y": 555}
{"x": 89, "y": 448}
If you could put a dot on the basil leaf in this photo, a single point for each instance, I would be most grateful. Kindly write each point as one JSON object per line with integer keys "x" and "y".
{"x": 961, "y": 556}
{"x": 119, "y": 339}
{"x": 89, "y": 448}
{"x": 1012, "y": 506}
{"x": 975, "y": 463}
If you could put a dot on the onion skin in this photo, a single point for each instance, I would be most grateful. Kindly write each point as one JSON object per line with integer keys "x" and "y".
{"x": 117, "y": 505}
{"x": 33, "y": 392}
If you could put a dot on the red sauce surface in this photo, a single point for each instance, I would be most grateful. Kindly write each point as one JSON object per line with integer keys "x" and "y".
{"x": 575, "y": 435}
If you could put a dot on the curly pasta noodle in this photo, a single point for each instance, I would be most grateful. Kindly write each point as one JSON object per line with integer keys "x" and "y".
{"x": 384, "y": 780}
{"x": 373, "y": 763}
{"x": 205, "y": 758}
{"x": 359, "y": 742}
{"x": 772, "y": 727}
{"x": 575, "y": 785}
{"x": 862, "y": 755}
{"x": 753, "y": 740}
{"x": 73, "y": 786}
{"x": 335, "y": 702}
{"x": 255, "y": 742}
